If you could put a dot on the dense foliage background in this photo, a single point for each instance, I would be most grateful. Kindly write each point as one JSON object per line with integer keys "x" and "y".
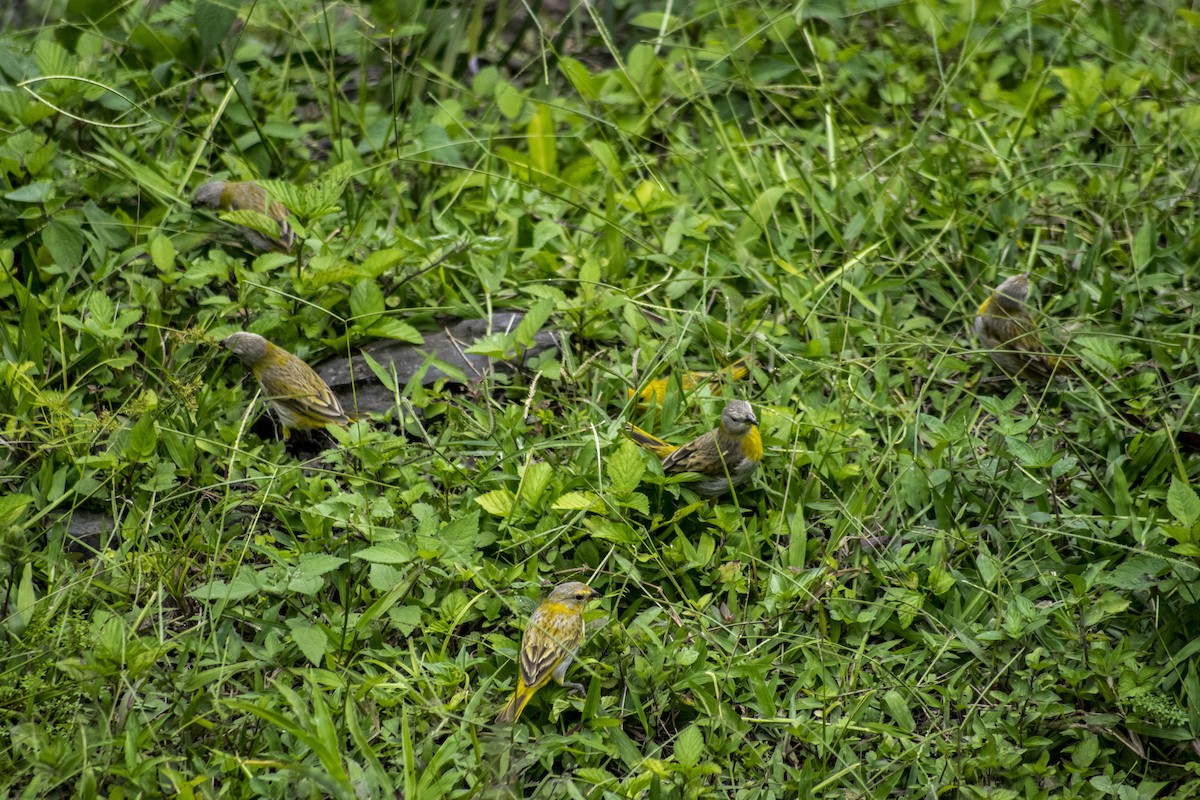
{"x": 941, "y": 585}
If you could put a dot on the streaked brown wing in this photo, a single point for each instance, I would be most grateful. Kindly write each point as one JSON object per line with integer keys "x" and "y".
{"x": 304, "y": 393}
{"x": 313, "y": 406}
{"x": 546, "y": 642}
{"x": 697, "y": 455}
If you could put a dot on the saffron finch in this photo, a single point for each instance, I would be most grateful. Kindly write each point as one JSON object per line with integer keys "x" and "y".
{"x": 548, "y": 647}
{"x": 300, "y": 398}
{"x": 724, "y": 457}
{"x": 1006, "y": 328}
{"x": 249, "y": 196}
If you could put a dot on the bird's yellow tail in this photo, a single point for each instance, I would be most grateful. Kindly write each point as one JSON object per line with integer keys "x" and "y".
{"x": 649, "y": 441}
{"x": 513, "y": 710}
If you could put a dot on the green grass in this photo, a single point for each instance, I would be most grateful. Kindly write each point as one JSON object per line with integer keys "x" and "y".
{"x": 941, "y": 584}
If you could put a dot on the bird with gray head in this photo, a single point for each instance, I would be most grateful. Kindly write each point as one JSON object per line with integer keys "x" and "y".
{"x": 297, "y": 394}
{"x": 249, "y": 196}
{"x": 721, "y": 459}
{"x": 1007, "y": 329}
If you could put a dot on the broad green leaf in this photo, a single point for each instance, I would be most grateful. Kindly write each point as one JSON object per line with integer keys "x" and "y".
{"x": 26, "y": 604}
{"x": 38, "y": 192}
{"x": 498, "y": 503}
{"x": 1143, "y": 245}
{"x": 535, "y": 477}
{"x": 311, "y": 640}
{"x": 578, "y": 501}
{"x": 458, "y": 537}
{"x": 392, "y": 328}
{"x": 689, "y": 747}
{"x": 366, "y": 302}
{"x": 143, "y": 440}
{"x": 898, "y": 709}
{"x": 543, "y": 146}
{"x": 65, "y": 243}
{"x": 625, "y": 467}
{"x": 12, "y": 506}
{"x": 316, "y": 564}
{"x": 1183, "y": 503}
{"x": 213, "y": 22}
{"x": 390, "y": 553}
{"x": 405, "y": 618}
{"x": 532, "y": 322}
{"x": 162, "y": 252}
{"x": 244, "y": 584}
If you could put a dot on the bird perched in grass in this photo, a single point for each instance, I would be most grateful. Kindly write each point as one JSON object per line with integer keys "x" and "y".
{"x": 299, "y": 396}
{"x": 725, "y": 456}
{"x": 656, "y": 390}
{"x": 548, "y": 647}
{"x": 249, "y": 196}
{"x": 1005, "y": 326}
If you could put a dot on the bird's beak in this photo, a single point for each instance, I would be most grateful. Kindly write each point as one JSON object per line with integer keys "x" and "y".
{"x": 596, "y": 594}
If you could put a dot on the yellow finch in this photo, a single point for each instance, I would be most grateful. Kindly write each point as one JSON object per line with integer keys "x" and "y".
{"x": 725, "y": 456}
{"x": 249, "y": 196}
{"x": 1005, "y": 326}
{"x": 656, "y": 390}
{"x": 299, "y": 396}
{"x": 548, "y": 647}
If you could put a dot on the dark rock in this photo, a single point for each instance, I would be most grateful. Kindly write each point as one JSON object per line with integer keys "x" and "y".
{"x": 359, "y": 389}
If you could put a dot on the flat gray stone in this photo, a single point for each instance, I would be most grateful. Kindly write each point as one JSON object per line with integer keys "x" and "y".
{"x": 358, "y": 388}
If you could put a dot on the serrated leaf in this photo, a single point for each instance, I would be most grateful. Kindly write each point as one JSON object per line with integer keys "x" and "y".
{"x": 52, "y": 58}
{"x": 498, "y": 503}
{"x": 38, "y": 192}
{"x": 286, "y": 193}
{"x": 316, "y": 564}
{"x": 254, "y": 220}
{"x": 509, "y": 100}
{"x": 526, "y": 332}
{"x": 1135, "y": 574}
{"x": 625, "y": 468}
{"x": 388, "y": 553}
{"x": 405, "y": 618}
{"x": 162, "y": 252}
{"x": 494, "y": 345}
{"x": 323, "y": 194}
{"x": 366, "y": 302}
{"x": 392, "y": 328}
{"x": 268, "y": 262}
{"x": 381, "y": 261}
{"x": 1183, "y": 503}
{"x": 12, "y": 506}
{"x": 311, "y": 640}
{"x": 689, "y": 747}
{"x": 459, "y": 536}
{"x": 65, "y": 243}
{"x": 1085, "y": 751}
{"x": 213, "y": 22}
{"x": 578, "y": 501}
{"x": 637, "y": 501}
{"x": 535, "y": 477}
{"x": 245, "y": 583}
